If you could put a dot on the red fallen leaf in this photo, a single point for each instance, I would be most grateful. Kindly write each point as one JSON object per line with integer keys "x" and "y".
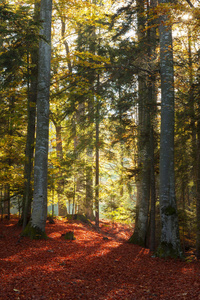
{"x": 93, "y": 268}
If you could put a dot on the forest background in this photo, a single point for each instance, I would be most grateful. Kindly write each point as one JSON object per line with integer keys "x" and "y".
{"x": 123, "y": 114}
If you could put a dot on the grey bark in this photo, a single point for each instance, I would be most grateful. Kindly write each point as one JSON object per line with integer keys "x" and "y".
{"x": 143, "y": 186}
{"x": 39, "y": 214}
{"x": 170, "y": 241}
{"x": 152, "y": 99}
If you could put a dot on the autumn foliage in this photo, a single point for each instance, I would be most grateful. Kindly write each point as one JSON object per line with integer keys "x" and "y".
{"x": 96, "y": 265}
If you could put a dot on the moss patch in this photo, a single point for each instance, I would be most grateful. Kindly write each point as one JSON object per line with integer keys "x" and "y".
{"x": 169, "y": 210}
{"x": 69, "y": 236}
{"x": 79, "y": 217}
{"x": 166, "y": 250}
{"x": 136, "y": 240}
{"x": 34, "y": 233}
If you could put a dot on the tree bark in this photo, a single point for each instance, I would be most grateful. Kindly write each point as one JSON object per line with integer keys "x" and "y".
{"x": 62, "y": 209}
{"x": 152, "y": 99}
{"x": 30, "y": 141}
{"x": 39, "y": 214}
{"x": 198, "y": 175}
{"x": 170, "y": 241}
{"x": 143, "y": 186}
{"x": 97, "y": 160}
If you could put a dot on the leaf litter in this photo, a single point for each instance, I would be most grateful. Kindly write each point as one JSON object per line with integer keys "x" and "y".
{"x": 95, "y": 266}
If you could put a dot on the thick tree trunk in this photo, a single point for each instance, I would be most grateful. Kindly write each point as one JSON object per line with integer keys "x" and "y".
{"x": 170, "y": 241}
{"x": 39, "y": 214}
{"x": 141, "y": 223}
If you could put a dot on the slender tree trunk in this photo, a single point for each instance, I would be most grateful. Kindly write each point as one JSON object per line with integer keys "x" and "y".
{"x": 62, "y": 209}
{"x": 7, "y": 200}
{"x": 97, "y": 163}
{"x": 152, "y": 99}
{"x": 89, "y": 185}
{"x": 89, "y": 167}
{"x": 30, "y": 141}
{"x": 79, "y": 175}
{"x": 39, "y": 214}
{"x": 1, "y": 201}
{"x": 66, "y": 45}
{"x": 153, "y": 195}
{"x": 198, "y": 191}
{"x": 89, "y": 163}
{"x": 191, "y": 105}
{"x": 10, "y": 131}
{"x": 198, "y": 175}
{"x": 170, "y": 241}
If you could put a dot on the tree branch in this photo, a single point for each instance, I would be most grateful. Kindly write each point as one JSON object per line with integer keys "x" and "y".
{"x": 190, "y": 3}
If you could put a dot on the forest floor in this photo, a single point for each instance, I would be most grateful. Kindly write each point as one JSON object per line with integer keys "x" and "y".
{"x": 97, "y": 266}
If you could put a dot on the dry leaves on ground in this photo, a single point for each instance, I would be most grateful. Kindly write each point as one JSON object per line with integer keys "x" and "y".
{"x": 97, "y": 265}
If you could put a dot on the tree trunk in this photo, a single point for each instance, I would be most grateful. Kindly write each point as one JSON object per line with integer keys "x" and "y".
{"x": 143, "y": 194}
{"x": 62, "y": 209}
{"x": 170, "y": 241}
{"x": 198, "y": 193}
{"x": 152, "y": 99}
{"x": 30, "y": 140}
{"x": 97, "y": 163}
{"x": 198, "y": 175}
{"x": 39, "y": 214}
{"x": 89, "y": 185}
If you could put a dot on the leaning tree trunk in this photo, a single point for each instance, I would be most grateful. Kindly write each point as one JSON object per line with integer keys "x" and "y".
{"x": 170, "y": 241}
{"x": 39, "y": 213}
